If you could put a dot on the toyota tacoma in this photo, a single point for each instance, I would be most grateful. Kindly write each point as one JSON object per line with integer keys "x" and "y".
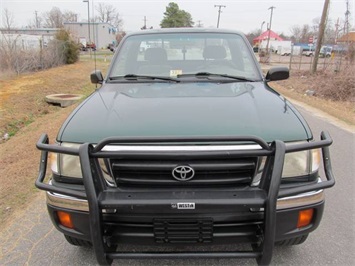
{"x": 185, "y": 143}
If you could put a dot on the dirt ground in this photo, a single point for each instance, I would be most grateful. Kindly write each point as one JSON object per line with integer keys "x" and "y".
{"x": 25, "y": 114}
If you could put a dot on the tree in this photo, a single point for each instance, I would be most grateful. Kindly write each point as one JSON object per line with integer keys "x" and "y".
{"x": 53, "y": 18}
{"x": 175, "y": 17}
{"x": 120, "y": 36}
{"x": 70, "y": 16}
{"x": 301, "y": 33}
{"x": 8, "y": 19}
{"x": 108, "y": 14}
{"x": 329, "y": 30}
{"x": 296, "y": 33}
{"x": 284, "y": 36}
{"x": 315, "y": 24}
{"x": 69, "y": 48}
{"x": 306, "y": 33}
{"x": 35, "y": 22}
{"x": 252, "y": 35}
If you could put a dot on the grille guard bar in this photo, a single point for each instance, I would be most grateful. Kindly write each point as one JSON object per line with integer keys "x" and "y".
{"x": 324, "y": 143}
{"x": 270, "y": 183}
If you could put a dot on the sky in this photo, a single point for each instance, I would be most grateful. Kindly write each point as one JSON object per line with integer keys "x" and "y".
{"x": 242, "y": 15}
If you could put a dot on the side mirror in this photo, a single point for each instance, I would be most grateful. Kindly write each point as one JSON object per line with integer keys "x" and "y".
{"x": 277, "y": 73}
{"x": 96, "y": 77}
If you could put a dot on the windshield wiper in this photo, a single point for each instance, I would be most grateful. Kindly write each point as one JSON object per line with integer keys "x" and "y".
{"x": 136, "y": 77}
{"x": 208, "y": 75}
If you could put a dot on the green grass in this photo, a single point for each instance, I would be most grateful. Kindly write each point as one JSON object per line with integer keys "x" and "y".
{"x": 14, "y": 126}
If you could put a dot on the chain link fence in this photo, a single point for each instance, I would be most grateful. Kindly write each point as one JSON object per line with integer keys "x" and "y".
{"x": 335, "y": 61}
{"x": 334, "y": 79}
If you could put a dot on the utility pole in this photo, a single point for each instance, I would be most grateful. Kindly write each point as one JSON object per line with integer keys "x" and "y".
{"x": 145, "y": 22}
{"x": 219, "y": 13}
{"x": 199, "y": 25}
{"x": 320, "y": 36}
{"x": 268, "y": 37}
{"x": 347, "y": 13}
{"x": 37, "y": 26}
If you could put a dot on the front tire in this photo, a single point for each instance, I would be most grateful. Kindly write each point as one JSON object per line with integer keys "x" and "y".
{"x": 77, "y": 242}
{"x": 292, "y": 241}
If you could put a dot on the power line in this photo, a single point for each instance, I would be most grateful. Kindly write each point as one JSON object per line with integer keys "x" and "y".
{"x": 219, "y": 13}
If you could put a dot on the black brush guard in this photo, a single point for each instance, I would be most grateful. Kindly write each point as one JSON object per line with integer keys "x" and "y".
{"x": 266, "y": 196}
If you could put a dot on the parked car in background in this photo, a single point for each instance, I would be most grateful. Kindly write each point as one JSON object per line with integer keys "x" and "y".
{"x": 308, "y": 50}
{"x": 325, "y": 51}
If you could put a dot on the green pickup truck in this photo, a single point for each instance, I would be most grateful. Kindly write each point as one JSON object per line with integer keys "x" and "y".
{"x": 185, "y": 143}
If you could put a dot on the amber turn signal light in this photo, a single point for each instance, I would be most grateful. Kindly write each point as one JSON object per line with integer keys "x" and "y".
{"x": 305, "y": 218}
{"x": 65, "y": 219}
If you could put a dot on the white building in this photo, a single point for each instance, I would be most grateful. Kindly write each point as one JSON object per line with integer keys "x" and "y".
{"x": 102, "y": 34}
{"x": 28, "y": 38}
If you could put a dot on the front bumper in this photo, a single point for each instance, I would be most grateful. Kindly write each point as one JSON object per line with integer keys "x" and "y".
{"x": 71, "y": 203}
{"x": 137, "y": 224}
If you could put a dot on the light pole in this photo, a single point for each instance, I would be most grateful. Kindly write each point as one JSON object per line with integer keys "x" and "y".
{"x": 261, "y": 32}
{"x": 268, "y": 37}
{"x": 261, "y": 28}
{"x": 87, "y": 1}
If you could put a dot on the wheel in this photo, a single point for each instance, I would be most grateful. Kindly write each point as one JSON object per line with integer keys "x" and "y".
{"x": 292, "y": 241}
{"x": 77, "y": 242}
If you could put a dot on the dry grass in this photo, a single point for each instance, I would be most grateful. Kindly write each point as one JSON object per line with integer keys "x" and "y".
{"x": 333, "y": 93}
{"x": 22, "y": 98}
{"x": 19, "y": 160}
{"x": 27, "y": 115}
{"x": 327, "y": 84}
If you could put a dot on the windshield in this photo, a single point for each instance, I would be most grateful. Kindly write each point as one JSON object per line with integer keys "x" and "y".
{"x": 176, "y": 55}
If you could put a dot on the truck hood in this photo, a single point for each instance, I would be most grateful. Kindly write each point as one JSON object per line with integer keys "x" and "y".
{"x": 184, "y": 109}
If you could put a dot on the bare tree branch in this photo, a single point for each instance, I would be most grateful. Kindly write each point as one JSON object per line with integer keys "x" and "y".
{"x": 53, "y": 18}
{"x": 70, "y": 16}
{"x": 8, "y": 19}
{"x": 296, "y": 32}
{"x": 108, "y": 14}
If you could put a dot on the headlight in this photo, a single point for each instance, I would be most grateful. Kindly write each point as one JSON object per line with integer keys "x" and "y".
{"x": 296, "y": 164}
{"x": 69, "y": 165}
{"x": 301, "y": 163}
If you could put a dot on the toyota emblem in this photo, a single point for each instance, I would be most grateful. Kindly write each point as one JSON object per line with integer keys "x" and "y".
{"x": 183, "y": 173}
